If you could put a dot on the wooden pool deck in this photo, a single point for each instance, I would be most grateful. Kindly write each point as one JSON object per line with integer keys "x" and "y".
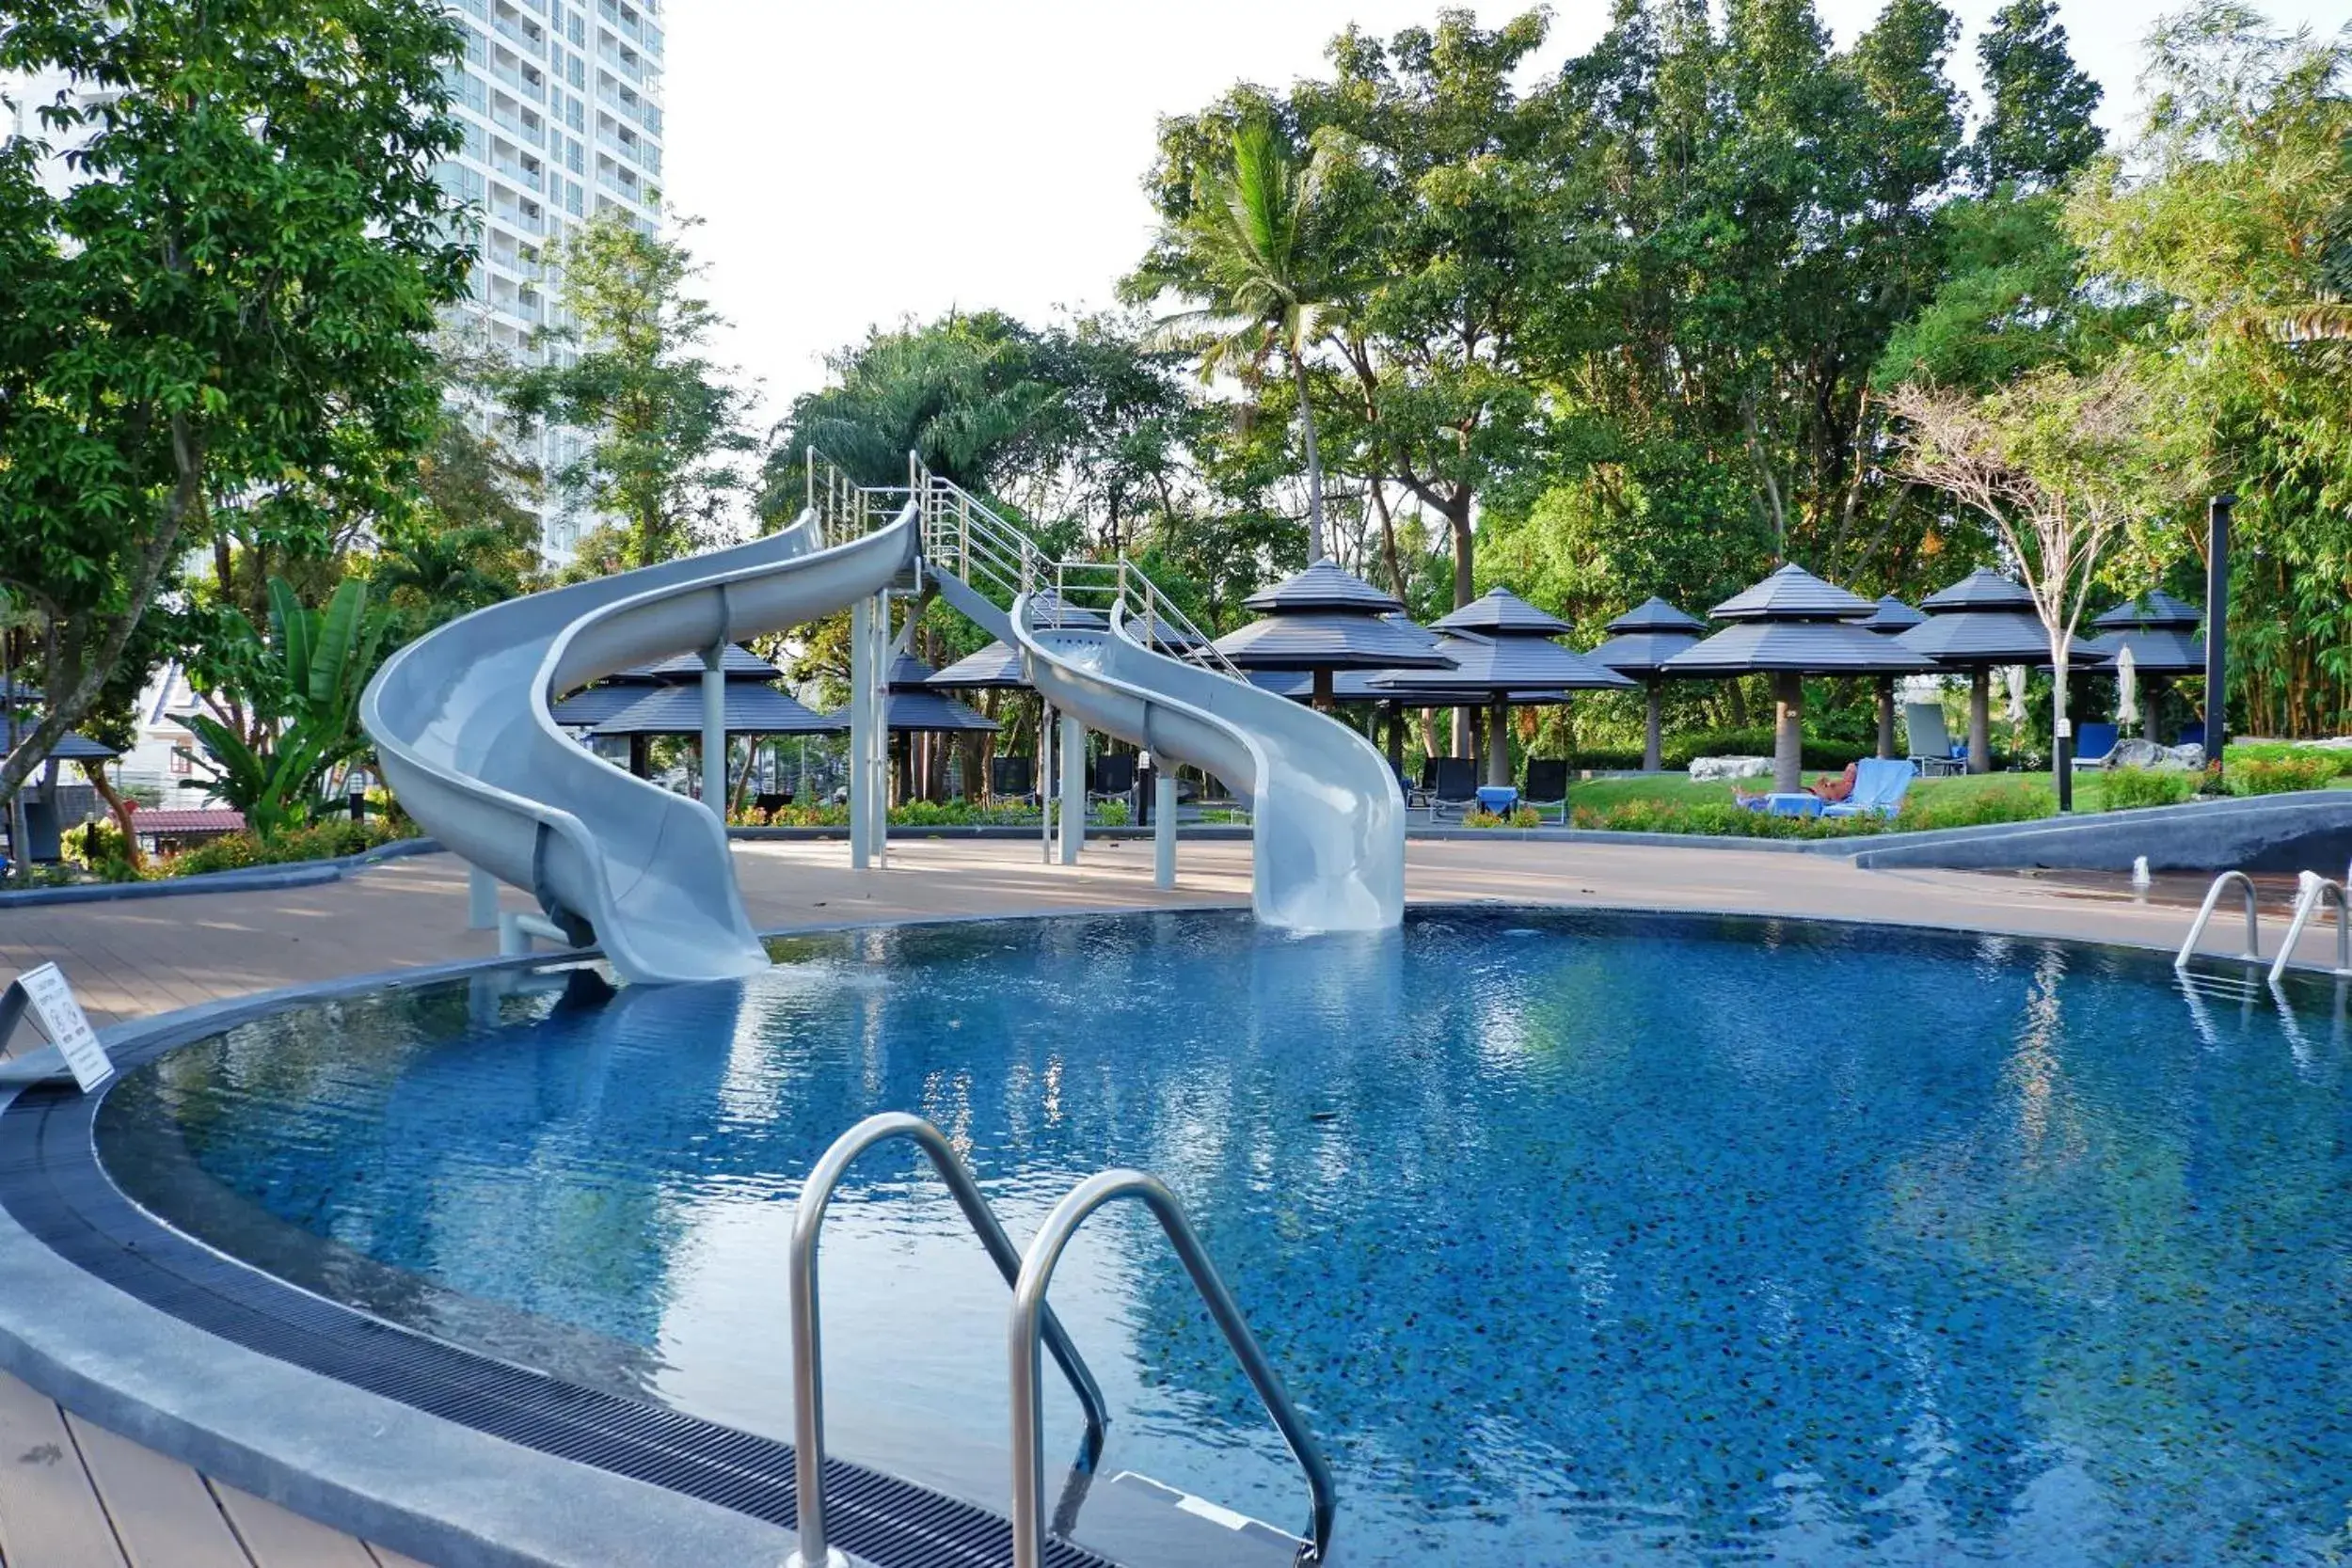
{"x": 73, "y": 1494}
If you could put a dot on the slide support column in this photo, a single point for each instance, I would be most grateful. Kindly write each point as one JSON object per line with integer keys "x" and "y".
{"x": 715, "y": 731}
{"x": 861, "y": 733}
{"x": 1073, "y": 788}
{"x": 1163, "y": 827}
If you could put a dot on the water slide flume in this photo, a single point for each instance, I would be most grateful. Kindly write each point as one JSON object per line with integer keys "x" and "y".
{"x": 461, "y": 723}
{"x": 1327, "y": 816}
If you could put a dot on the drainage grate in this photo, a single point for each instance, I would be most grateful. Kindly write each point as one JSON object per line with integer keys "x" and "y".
{"x": 51, "y": 1183}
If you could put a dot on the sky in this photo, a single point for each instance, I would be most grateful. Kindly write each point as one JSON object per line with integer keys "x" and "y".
{"x": 859, "y": 162}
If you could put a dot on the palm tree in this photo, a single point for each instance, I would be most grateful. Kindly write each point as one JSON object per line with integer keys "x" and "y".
{"x": 1259, "y": 248}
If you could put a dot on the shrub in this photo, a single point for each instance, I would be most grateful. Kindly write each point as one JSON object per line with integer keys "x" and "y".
{"x": 1112, "y": 813}
{"x": 1521, "y": 816}
{"x": 1717, "y": 819}
{"x": 1757, "y": 741}
{"x": 2336, "y": 758}
{"x": 2259, "y": 775}
{"x": 1929, "y": 808}
{"x": 2129, "y": 788}
{"x": 328, "y": 839}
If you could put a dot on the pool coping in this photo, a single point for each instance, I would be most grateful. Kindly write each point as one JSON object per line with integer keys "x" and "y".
{"x": 375, "y": 1465}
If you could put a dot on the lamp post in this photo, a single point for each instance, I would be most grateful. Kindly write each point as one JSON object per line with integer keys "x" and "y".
{"x": 2216, "y": 627}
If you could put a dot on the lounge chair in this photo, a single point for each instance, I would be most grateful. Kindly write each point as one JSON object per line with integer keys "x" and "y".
{"x": 2093, "y": 745}
{"x": 1454, "y": 787}
{"x": 1114, "y": 779}
{"x": 1547, "y": 786}
{"x": 1932, "y": 749}
{"x": 1012, "y": 781}
{"x": 1878, "y": 787}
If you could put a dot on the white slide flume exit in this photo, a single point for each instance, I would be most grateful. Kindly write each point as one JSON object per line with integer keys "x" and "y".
{"x": 461, "y": 723}
{"x": 1327, "y": 815}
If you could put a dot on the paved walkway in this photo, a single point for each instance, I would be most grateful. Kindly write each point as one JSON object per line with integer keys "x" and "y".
{"x": 73, "y": 1494}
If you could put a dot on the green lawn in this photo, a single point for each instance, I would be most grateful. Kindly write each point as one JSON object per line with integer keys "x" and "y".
{"x": 1952, "y": 794}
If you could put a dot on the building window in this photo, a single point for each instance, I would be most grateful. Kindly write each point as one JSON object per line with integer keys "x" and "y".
{"x": 580, "y": 72}
{"x": 573, "y": 197}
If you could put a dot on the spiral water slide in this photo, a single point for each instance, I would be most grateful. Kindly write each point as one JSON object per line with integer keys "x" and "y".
{"x": 461, "y": 723}
{"x": 1328, "y": 818}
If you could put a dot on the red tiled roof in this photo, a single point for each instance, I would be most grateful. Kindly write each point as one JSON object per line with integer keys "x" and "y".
{"x": 215, "y": 821}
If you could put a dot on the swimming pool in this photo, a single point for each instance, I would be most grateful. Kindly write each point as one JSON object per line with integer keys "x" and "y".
{"x": 1578, "y": 1238}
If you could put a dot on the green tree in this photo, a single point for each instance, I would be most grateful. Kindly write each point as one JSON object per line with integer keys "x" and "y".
{"x": 234, "y": 282}
{"x": 961, "y": 392}
{"x": 470, "y": 538}
{"x": 303, "y": 681}
{"x": 2037, "y": 128}
{"x": 2218, "y": 221}
{"x": 1254, "y": 240}
{"x": 665, "y": 425}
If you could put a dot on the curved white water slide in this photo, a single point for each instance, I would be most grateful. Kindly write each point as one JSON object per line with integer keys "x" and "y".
{"x": 460, "y": 721}
{"x": 1328, "y": 818}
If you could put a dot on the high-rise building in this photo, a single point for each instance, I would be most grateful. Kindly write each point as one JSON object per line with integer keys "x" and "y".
{"x": 561, "y": 106}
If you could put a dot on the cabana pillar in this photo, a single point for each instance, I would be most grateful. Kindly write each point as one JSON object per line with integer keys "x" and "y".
{"x": 1499, "y": 742}
{"x": 1980, "y": 719}
{"x": 715, "y": 730}
{"x": 1654, "y": 729}
{"x": 1788, "y": 731}
{"x": 1886, "y": 718}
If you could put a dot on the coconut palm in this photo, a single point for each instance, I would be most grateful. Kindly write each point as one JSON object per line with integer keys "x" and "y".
{"x": 1260, "y": 250}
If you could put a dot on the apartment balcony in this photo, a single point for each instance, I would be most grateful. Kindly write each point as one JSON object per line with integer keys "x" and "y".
{"x": 523, "y": 43}
{"x": 515, "y": 174}
{"x": 519, "y": 84}
{"x": 637, "y": 149}
{"x": 512, "y": 123}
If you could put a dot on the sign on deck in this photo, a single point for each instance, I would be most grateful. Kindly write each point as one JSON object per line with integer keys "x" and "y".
{"x": 60, "y": 1017}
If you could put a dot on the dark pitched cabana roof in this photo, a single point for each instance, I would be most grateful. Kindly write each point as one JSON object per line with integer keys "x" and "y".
{"x": 1327, "y": 640}
{"x": 928, "y": 712}
{"x": 14, "y": 690}
{"x": 752, "y": 707}
{"x": 2165, "y": 636}
{"x": 1049, "y": 609}
{"x": 1795, "y": 623}
{"x": 1163, "y": 634}
{"x": 737, "y": 663}
{"x": 1655, "y": 615}
{"x": 994, "y": 668}
{"x": 2155, "y": 607}
{"x": 599, "y": 702}
{"x": 1982, "y": 589}
{"x": 1322, "y": 586}
{"x": 1365, "y": 686}
{"x": 910, "y": 707}
{"x": 1982, "y": 620}
{"x": 1327, "y": 619}
{"x": 80, "y": 748}
{"x": 1647, "y": 637}
{"x": 1500, "y": 612}
{"x": 1504, "y": 666}
{"x": 1891, "y": 617}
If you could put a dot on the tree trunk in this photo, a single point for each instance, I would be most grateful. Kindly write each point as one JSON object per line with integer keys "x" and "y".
{"x": 1788, "y": 732}
{"x": 1735, "y": 698}
{"x": 1315, "y": 547}
{"x": 121, "y": 807}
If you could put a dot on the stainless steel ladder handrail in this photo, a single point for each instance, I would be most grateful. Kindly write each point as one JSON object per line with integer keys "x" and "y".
{"x": 1030, "y": 1314}
{"x": 2253, "y": 952}
{"x": 2311, "y": 897}
{"x": 808, "y": 1401}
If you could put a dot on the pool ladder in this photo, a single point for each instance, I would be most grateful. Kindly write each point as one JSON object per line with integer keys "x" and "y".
{"x": 1032, "y": 1325}
{"x": 2313, "y": 894}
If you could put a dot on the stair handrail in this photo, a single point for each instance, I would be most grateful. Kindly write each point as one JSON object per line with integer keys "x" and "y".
{"x": 963, "y": 534}
{"x": 808, "y": 1401}
{"x": 1030, "y": 1313}
{"x": 2253, "y": 952}
{"x": 2313, "y": 892}
{"x": 845, "y": 509}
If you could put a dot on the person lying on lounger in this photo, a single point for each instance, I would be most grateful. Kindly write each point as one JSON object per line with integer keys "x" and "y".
{"x": 1834, "y": 790}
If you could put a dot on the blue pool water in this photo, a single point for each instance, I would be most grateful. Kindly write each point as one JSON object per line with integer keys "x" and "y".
{"x": 1579, "y": 1237}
